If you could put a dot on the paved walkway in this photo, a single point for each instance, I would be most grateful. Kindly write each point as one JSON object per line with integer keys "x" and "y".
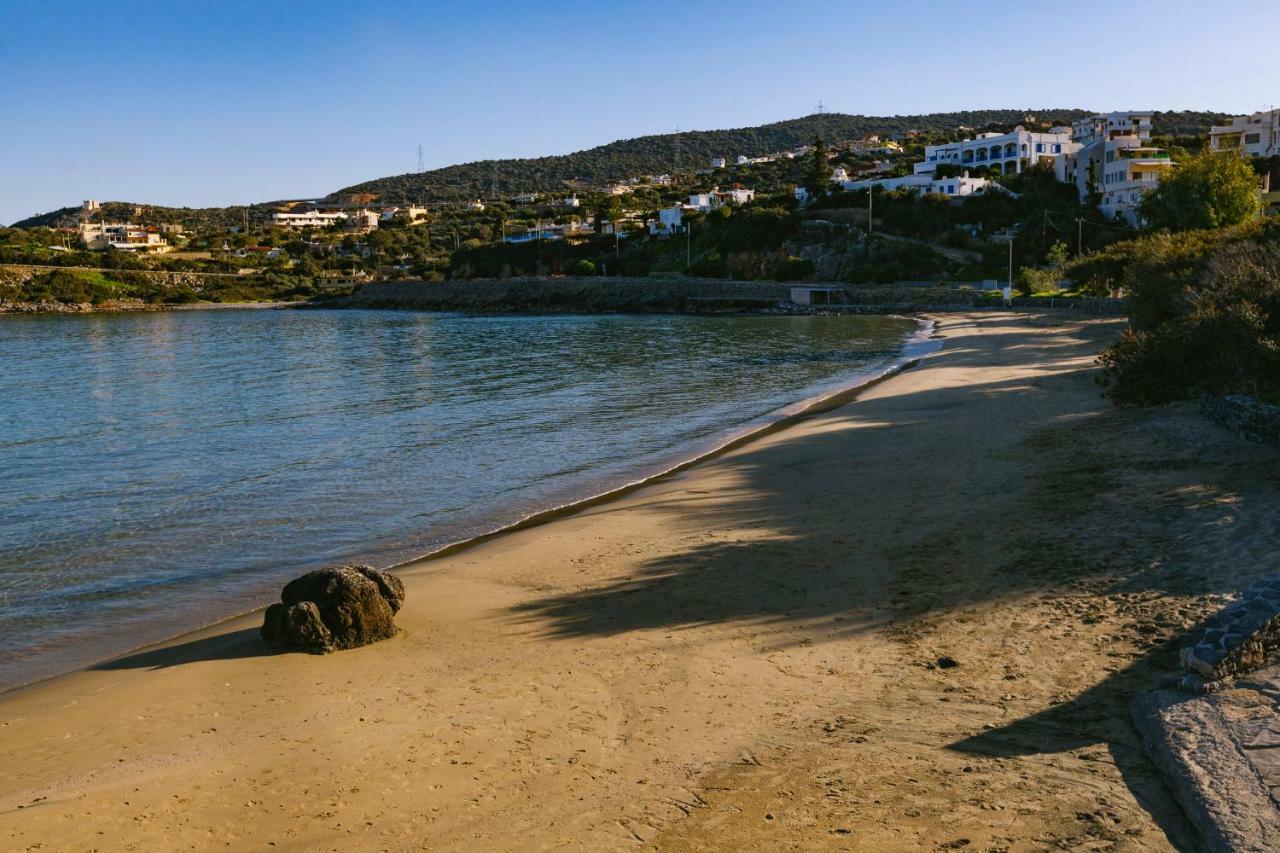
{"x": 1253, "y": 712}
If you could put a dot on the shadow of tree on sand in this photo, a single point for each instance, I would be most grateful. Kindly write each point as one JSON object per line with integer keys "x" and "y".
{"x": 1115, "y": 502}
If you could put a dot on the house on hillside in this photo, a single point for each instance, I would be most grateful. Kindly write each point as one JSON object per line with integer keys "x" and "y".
{"x": 1115, "y": 160}
{"x": 736, "y": 194}
{"x": 717, "y": 162}
{"x": 960, "y": 187}
{"x": 1256, "y": 135}
{"x": 309, "y": 219}
{"x": 362, "y": 221}
{"x": 670, "y": 221}
{"x": 122, "y": 237}
{"x": 1005, "y": 153}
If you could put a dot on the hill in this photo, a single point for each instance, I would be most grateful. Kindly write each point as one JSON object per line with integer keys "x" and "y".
{"x": 644, "y": 155}
{"x": 675, "y": 151}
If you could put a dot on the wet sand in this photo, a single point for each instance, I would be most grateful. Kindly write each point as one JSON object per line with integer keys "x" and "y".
{"x": 752, "y": 654}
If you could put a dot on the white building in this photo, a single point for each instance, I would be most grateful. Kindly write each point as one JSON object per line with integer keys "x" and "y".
{"x": 926, "y": 184}
{"x": 90, "y": 205}
{"x": 122, "y": 236}
{"x": 839, "y": 175}
{"x": 571, "y": 202}
{"x": 476, "y": 205}
{"x": 702, "y": 201}
{"x": 717, "y": 162}
{"x": 1111, "y": 125}
{"x": 362, "y": 221}
{"x": 310, "y": 219}
{"x": 735, "y": 195}
{"x": 1006, "y": 153}
{"x": 1256, "y": 135}
{"x": 670, "y": 221}
{"x": 1115, "y": 162}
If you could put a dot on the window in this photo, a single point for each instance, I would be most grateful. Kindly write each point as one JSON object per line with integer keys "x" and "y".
{"x": 1252, "y": 138}
{"x": 1057, "y": 149}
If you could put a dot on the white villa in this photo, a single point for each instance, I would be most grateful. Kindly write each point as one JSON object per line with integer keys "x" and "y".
{"x": 1115, "y": 161}
{"x": 1256, "y": 135}
{"x": 670, "y": 221}
{"x": 926, "y": 184}
{"x": 122, "y": 237}
{"x": 1007, "y": 153}
{"x": 736, "y": 194}
{"x": 717, "y": 162}
{"x": 702, "y": 201}
{"x": 310, "y": 219}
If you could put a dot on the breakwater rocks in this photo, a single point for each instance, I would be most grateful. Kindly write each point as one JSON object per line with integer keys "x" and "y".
{"x": 672, "y": 295}
{"x": 1245, "y": 416}
{"x": 49, "y": 306}
{"x": 592, "y": 295}
{"x": 336, "y": 608}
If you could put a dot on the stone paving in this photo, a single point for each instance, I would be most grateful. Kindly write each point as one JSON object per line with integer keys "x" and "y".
{"x": 1217, "y": 738}
{"x": 1252, "y": 711}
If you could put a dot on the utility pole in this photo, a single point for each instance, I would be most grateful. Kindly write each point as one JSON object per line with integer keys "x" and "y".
{"x": 1079, "y": 236}
{"x": 1010, "y": 261}
{"x": 688, "y": 244}
{"x": 871, "y": 192}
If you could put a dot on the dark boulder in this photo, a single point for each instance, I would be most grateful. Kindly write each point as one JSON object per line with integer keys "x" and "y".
{"x": 336, "y": 608}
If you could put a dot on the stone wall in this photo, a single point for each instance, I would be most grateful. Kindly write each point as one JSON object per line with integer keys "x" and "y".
{"x": 1245, "y": 416}
{"x": 571, "y": 294}
{"x": 1240, "y": 637}
{"x": 673, "y": 295}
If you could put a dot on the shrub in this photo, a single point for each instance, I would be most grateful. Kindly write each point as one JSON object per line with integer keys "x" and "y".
{"x": 583, "y": 267}
{"x": 1205, "y": 317}
{"x": 793, "y": 269}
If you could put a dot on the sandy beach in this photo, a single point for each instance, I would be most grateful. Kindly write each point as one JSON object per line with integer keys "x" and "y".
{"x": 912, "y": 622}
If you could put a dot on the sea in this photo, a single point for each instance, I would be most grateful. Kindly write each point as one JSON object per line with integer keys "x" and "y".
{"x": 162, "y": 471}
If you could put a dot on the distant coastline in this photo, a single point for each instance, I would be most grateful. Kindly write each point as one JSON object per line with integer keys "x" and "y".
{"x": 130, "y": 305}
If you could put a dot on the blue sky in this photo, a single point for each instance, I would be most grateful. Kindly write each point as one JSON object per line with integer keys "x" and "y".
{"x": 210, "y": 103}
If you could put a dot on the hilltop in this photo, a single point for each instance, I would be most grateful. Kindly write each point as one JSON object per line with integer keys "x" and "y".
{"x": 689, "y": 150}
{"x": 667, "y": 152}
{"x": 627, "y": 158}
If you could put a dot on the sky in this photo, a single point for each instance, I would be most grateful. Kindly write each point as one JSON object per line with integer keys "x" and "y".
{"x": 213, "y": 103}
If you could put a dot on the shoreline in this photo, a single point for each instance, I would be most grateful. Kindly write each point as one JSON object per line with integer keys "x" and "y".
{"x": 915, "y": 346}
{"x": 41, "y": 309}
{"x": 746, "y": 654}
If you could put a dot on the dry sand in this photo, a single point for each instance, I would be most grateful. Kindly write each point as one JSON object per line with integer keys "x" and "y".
{"x": 743, "y": 656}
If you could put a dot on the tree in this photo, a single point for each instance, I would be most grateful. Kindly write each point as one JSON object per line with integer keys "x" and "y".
{"x": 1210, "y": 190}
{"x": 817, "y": 175}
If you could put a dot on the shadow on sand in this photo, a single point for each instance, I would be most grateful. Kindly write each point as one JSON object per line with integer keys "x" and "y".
{"x": 230, "y": 646}
{"x": 1112, "y": 499}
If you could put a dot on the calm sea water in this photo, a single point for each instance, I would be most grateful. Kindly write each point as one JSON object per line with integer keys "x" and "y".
{"x": 163, "y": 471}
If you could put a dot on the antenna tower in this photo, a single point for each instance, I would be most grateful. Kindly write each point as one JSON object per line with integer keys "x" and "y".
{"x": 422, "y": 166}
{"x": 821, "y": 108}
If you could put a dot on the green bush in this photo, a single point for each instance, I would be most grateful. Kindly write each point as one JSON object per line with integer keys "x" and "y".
{"x": 1204, "y": 317}
{"x": 793, "y": 269}
{"x": 583, "y": 267}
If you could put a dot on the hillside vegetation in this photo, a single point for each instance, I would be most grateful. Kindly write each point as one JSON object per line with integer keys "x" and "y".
{"x": 673, "y": 151}
{"x": 694, "y": 149}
